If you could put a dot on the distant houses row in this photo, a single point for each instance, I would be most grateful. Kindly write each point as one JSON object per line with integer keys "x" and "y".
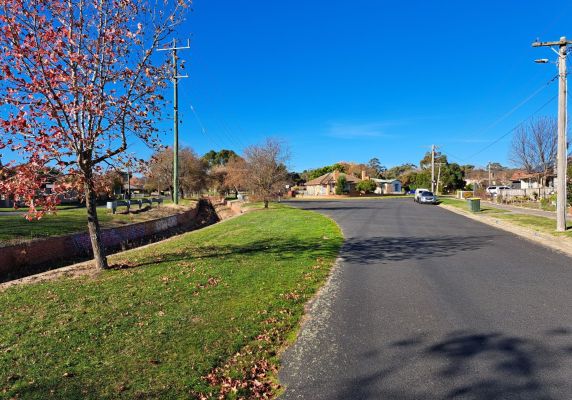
{"x": 516, "y": 179}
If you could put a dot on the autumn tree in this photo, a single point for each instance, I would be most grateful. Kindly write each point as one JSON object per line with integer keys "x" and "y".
{"x": 78, "y": 79}
{"x": 192, "y": 171}
{"x": 236, "y": 174}
{"x": 217, "y": 169}
{"x": 262, "y": 170}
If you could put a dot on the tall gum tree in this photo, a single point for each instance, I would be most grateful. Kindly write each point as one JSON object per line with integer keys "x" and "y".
{"x": 78, "y": 79}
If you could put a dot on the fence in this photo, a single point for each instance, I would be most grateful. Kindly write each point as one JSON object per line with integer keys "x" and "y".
{"x": 532, "y": 193}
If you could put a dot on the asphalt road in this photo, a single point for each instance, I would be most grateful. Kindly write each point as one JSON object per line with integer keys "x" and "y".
{"x": 427, "y": 304}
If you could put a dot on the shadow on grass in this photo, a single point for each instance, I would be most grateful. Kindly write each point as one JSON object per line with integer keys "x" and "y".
{"x": 77, "y": 388}
{"x": 467, "y": 365}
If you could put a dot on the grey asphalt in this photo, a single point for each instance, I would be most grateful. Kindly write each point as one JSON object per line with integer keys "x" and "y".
{"x": 427, "y": 304}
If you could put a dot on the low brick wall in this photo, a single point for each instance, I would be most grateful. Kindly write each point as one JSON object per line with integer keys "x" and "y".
{"x": 14, "y": 260}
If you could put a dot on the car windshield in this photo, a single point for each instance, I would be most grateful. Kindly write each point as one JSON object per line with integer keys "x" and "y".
{"x": 427, "y": 194}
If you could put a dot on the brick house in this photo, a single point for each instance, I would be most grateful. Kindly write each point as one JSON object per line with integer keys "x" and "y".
{"x": 325, "y": 185}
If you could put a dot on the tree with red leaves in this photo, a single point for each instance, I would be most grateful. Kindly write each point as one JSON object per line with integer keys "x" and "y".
{"x": 78, "y": 79}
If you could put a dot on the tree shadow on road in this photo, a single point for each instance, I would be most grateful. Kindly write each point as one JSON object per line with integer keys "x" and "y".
{"x": 468, "y": 365}
{"x": 384, "y": 249}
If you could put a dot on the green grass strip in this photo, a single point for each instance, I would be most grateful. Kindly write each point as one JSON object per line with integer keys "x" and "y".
{"x": 203, "y": 313}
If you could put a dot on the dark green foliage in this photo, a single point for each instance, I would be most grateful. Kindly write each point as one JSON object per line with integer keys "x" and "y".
{"x": 310, "y": 174}
{"x": 341, "y": 184}
{"x": 375, "y": 166}
{"x": 452, "y": 177}
{"x": 399, "y": 170}
{"x": 214, "y": 158}
{"x": 366, "y": 186}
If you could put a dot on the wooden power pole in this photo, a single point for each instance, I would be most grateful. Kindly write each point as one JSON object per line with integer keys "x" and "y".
{"x": 433, "y": 168}
{"x": 562, "y": 122}
{"x": 176, "y": 78}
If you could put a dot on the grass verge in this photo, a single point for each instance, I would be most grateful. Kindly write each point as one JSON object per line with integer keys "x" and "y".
{"x": 537, "y": 223}
{"x": 199, "y": 316}
{"x": 463, "y": 205}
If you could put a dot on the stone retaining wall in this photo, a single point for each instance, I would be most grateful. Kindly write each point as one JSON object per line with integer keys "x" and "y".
{"x": 54, "y": 251}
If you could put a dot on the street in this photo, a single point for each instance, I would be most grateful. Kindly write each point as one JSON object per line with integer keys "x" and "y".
{"x": 427, "y": 304}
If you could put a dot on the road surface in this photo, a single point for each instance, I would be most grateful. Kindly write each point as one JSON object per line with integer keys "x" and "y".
{"x": 427, "y": 304}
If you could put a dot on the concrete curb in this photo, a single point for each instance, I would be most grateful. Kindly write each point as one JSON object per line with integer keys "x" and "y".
{"x": 560, "y": 244}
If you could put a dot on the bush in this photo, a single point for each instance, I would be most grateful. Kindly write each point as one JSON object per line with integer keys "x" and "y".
{"x": 366, "y": 186}
{"x": 341, "y": 185}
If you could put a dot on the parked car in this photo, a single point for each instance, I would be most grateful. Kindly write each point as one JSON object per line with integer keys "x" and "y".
{"x": 418, "y": 193}
{"x": 427, "y": 198}
{"x": 494, "y": 190}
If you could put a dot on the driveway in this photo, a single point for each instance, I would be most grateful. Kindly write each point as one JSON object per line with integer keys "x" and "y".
{"x": 427, "y": 304}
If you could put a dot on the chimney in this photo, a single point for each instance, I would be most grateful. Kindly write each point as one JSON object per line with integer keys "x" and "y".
{"x": 363, "y": 177}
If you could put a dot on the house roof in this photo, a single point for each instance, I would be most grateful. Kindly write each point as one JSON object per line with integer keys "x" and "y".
{"x": 385, "y": 180}
{"x": 522, "y": 175}
{"x": 329, "y": 178}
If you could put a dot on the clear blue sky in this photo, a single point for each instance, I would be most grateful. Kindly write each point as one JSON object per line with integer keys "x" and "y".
{"x": 340, "y": 80}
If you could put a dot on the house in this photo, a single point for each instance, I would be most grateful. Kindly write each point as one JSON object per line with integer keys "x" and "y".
{"x": 483, "y": 178}
{"x": 387, "y": 186}
{"x": 524, "y": 180}
{"x": 325, "y": 185}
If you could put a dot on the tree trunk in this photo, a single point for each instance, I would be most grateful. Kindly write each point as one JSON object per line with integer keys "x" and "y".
{"x": 93, "y": 225}
{"x": 265, "y": 203}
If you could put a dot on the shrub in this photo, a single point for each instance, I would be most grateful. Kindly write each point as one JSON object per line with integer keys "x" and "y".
{"x": 341, "y": 184}
{"x": 366, "y": 186}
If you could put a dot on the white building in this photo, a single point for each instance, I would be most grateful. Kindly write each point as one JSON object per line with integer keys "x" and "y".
{"x": 387, "y": 186}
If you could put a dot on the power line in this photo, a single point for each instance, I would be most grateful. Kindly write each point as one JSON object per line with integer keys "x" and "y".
{"x": 222, "y": 121}
{"x": 519, "y": 105}
{"x": 513, "y": 129}
{"x": 203, "y": 130}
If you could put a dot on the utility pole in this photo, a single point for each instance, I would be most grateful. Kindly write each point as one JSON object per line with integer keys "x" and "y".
{"x": 433, "y": 168}
{"x": 489, "y": 173}
{"x": 438, "y": 179}
{"x": 176, "y": 78}
{"x": 562, "y": 122}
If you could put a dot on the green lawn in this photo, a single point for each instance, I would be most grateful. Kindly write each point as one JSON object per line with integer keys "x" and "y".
{"x": 15, "y": 228}
{"x": 178, "y": 319}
